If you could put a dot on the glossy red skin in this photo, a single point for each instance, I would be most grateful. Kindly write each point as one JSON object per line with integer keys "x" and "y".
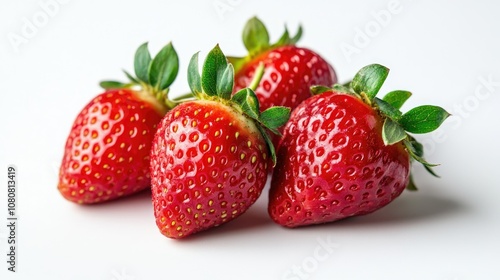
{"x": 208, "y": 166}
{"x": 107, "y": 151}
{"x": 290, "y": 72}
{"x": 333, "y": 163}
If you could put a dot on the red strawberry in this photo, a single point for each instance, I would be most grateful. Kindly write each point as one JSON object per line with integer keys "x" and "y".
{"x": 107, "y": 151}
{"x": 209, "y": 160}
{"x": 290, "y": 71}
{"x": 346, "y": 152}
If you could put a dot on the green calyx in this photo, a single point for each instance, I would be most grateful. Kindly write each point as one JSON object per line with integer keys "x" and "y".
{"x": 152, "y": 75}
{"x": 257, "y": 41}
{"x": 397, "y": 125}
{"x": 216, "y": 83}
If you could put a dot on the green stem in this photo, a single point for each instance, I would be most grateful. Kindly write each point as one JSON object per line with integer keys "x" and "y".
{"x": 366, "y": 98}
{"x": 170, "y": 104}
{"x": 259, "y": 72}
{"x": 162, "y": 97}
{"x": 184, "y": 96}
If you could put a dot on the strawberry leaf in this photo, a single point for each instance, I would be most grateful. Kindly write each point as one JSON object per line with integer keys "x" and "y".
{"x": 392, "y": 132}
{"x": 225, "y": 85}
{"x": 248, "y": 102}
{"x": 164, "y": 68}
{"x": 194, "y": 79}
{"x": 130, "y": 77}
{"x": 411, "y": 184}
{"x": 142, "y": 61}
{"x": 370, "y": 79}
{"x": 342, "y": 88}
{"x": 213, "y": 71}
{"x": 297, "y": 36}
{"x": 284, "y": 39}
{"x": 269, "y": 143}
{"x": 413, "y": 153}
{"x": 417, "y": 147}
{"x": 315, "y": 90}
{"x": 257, "y": 40}
{"x": 423, "y": 119}
{"x": 112, "y": 84}
{"x": 430, "y": 170}
{"x": 397, "y": 98}
{"x": 275, "y": 117}
{"x": 387, "y": 109}
{"x": 153, "y": 77}
{"x": 255, "y": 36}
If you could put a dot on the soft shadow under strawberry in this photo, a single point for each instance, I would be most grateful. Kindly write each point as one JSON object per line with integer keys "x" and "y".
{"x": 254, "y": 220}
{"x": 125, "y": 203}
{"x": 414, "y": 207}
{"x": 408, "y": 208}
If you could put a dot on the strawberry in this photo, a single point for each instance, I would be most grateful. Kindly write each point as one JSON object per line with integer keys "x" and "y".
{"x": 346, "y": 152}
{"x": 209, "y": 159}
{"x": 107, "y": 151}
{"x": 290, "y": 71}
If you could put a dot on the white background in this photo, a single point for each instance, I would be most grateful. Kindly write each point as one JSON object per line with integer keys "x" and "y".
{"x": 441, "y": 51}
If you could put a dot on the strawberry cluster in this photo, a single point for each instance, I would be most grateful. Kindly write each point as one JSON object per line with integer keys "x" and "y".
{"x": 334, "y": 150}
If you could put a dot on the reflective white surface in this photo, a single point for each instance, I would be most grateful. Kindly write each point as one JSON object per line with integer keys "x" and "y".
{"x": 53, "y": 55}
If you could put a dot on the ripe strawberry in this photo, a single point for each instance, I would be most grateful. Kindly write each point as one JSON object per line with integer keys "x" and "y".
{"x": 290, "y": 71}
{"x": 107, "y": 151}
{"x": 209, "y": 159}
{"x": 346, "y": 152}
